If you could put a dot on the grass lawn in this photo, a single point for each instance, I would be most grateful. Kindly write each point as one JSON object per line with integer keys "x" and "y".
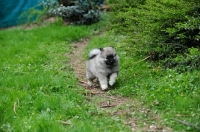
{"x": 166, "y": 92}
{"x": 38, "y": 89}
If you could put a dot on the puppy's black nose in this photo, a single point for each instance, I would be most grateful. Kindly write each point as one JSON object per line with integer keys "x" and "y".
{"x": 110, "y": 62}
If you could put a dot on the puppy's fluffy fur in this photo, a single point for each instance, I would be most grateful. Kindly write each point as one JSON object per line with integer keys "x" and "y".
{"x": 102, "y": 64}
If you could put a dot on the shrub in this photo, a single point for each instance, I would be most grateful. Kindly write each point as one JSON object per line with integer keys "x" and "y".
{"x": 164, "y": 29}
{"x": 187, "y": 31}
{"x": 78, "y": 12}
{"x": 185, "y": 62}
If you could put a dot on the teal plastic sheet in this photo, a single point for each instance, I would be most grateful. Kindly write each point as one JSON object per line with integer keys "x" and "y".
{"x": 11, "y": 11}
{"x": 15, "y": 12}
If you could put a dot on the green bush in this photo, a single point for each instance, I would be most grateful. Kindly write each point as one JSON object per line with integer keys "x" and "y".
{"x": 164, "y": 29}
{"x": 187, "y": 61}
{"x": 187, "y": 31}
{"x": 78, "y": 12}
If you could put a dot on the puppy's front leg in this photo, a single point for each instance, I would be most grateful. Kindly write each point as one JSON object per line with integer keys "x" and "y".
{"x": 112, "y": 78}
{"x": 103, "y": 82}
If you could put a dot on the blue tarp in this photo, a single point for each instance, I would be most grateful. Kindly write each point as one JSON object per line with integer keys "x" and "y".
{"x": 11, "y": 11}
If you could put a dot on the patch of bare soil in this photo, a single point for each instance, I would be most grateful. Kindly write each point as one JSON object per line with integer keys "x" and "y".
{"x": 43, "y": 22}
{"x": 130, "y": 112}
{"x": 33, "y": 25}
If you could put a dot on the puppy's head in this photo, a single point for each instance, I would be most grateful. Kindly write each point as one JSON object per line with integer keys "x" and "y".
{"x": 109, "y": 55}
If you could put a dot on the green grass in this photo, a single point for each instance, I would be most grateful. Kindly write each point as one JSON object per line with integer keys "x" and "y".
{"x": 37, "y": 79}
{"x": 172, "y": 94}
{"x": 38, "y": 88}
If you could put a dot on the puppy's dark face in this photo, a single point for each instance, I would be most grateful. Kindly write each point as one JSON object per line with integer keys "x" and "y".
{"x": 109, "y": 56}
{"x": 110, "y": 59}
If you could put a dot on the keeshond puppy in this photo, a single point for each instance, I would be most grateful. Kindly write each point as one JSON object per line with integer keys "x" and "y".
{"x": 103, "y": 64}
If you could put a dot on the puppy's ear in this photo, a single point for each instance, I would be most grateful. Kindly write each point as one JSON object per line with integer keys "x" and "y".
{"x": 101, "y": 49}
{"x": 112, "y": 47}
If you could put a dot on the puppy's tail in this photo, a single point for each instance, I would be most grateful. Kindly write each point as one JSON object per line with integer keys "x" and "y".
{"x": 94, "y": 53}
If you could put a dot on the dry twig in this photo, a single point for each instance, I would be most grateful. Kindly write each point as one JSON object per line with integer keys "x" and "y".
{"x": 105, "y": 106}
{"x": 188, "y": 124}
{"x": 139, "y": 61}
{"x": 142, "y": 60}
{"x": 65, "y": 122}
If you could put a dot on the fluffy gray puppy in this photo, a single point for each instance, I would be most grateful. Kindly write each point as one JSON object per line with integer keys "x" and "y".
{"x": 102, "y": 64}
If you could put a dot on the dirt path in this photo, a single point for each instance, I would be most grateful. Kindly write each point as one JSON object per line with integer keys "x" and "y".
{"x": 131, "y": 112}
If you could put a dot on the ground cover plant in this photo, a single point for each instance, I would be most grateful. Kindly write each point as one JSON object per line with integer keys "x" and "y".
{"x": 38, "y": 89}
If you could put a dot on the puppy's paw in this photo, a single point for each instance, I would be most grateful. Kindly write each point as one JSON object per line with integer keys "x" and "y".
{"x": 90, "y": 83}
{"x": 104, "y": 87}
{"x": 111, "y": 82}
